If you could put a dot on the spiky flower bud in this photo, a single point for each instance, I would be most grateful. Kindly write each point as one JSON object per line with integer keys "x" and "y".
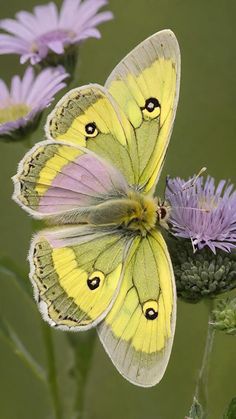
{"x": 224, "y": 316}
{"x": 203, "y": 273}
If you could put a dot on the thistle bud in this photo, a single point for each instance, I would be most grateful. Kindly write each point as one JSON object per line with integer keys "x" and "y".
{"x": 201, "y": 273}
{"x": 224, "y": 316}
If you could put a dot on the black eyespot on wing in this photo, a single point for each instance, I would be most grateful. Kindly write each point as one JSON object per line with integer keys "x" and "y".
{"x": 151, "y": 314}
{"x": 151, "y": 109}
{"x": 90, "y": 128}
{"x": 151, "y": 104}
{"x": 93, "y": 283}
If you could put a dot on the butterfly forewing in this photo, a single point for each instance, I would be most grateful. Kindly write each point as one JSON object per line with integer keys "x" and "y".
{"x": 90, "y": 117}
{"x": 61, "y": 180}
{"x": 146, "y": 86}
{"x": 129, "y": 122}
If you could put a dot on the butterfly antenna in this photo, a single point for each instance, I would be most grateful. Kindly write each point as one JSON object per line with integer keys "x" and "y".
{"x": 189, "y": 184}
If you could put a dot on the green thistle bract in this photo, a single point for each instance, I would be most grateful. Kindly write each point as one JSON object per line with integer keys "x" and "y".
{"x": 203, "y": 273}
{"x": 224, "y": 316}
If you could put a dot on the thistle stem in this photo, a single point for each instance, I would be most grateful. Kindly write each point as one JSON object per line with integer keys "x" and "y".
{"x": 51, "y": 370}
{"x": 201, "y": 391}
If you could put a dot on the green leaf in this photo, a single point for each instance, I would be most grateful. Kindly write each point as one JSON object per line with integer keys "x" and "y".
{"x": 9, "y": 336}
{"x": 231, "y": 412}
{"x": 196, "y": 411}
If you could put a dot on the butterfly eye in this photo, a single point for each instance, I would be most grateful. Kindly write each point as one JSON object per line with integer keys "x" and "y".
{"x": 94, "y": 280}
{"x": 91, "y": 130}
{"x": 151, "y": 109}
{"x": 162, "y": 213}
{"x": 150, "y": 310}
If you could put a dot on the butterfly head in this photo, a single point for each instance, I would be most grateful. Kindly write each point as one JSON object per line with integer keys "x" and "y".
{"x": 163, "y": 212}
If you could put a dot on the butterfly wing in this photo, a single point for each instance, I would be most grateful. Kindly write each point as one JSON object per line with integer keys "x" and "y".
{"x": 90, "y": 117}
{"x": 76, "y": 274}
{"x": 129, "y": 122}
{"x": 146, "y": 86}
{"x": 76, "y": 271}
{"x": 138, "y": 331}
{"x": 58, "y": 179}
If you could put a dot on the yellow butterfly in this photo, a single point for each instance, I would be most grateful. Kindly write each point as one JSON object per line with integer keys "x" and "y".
{"x": 104, "y": 261}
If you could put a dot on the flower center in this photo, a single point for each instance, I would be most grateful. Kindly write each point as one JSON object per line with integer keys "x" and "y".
{"x": 13, "y": 112}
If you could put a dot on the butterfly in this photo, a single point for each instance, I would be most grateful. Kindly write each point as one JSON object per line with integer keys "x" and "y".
{"x": 103, "y": 261}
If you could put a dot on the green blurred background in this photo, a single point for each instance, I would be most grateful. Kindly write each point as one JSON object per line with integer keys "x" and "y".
{"x": 204, "y": 135}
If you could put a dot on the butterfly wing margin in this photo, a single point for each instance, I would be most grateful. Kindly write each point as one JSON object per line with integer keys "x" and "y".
{"x": 151, "y": 70}
{"x": 138, "y": 347}
{"x": 76, "y": 274}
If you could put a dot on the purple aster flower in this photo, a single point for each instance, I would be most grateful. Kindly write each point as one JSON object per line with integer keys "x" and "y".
{"x": 35, "y": 35}
{"x": 26, "y": 99}
{"x": 203, "y": 212}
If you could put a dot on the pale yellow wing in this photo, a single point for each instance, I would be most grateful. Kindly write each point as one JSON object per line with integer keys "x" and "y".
{"x": 129, "y": 121}
{"x": 89, "y": 117}
{"x": 76, "y": 273}
{"x": 138, "y": 332}
{"x": 146, "y": 86}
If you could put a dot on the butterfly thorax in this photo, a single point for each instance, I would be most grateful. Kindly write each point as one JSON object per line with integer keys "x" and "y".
{"x": 141, "y": 213}
{"x": 134, "y": 212}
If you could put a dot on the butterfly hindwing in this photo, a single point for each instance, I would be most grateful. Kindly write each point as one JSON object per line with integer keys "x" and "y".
{"x": 138, "y": 331}
{"x": 146, "y": 86}
{"x": 76, "y": 274}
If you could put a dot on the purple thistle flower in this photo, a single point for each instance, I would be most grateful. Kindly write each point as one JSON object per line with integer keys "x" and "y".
{"x": 34, "y": 35}
{"x": 26, "y": 99}
{"x": 203, "y": 212}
